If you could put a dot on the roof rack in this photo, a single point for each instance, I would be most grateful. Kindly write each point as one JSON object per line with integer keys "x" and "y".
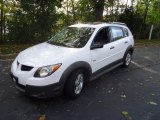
{"x": 97, "y": 23}
{"x": 119, "y": 23}
{"x": 94, "y": 23}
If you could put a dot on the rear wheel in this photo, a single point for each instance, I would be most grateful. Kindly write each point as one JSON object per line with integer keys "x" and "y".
{"x": 127, "y": 59}
{"x": 74, "y": 84}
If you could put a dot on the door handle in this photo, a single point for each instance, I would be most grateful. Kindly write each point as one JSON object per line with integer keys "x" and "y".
{"x": 126, "y": 42}
{"x": 112, "y": 47}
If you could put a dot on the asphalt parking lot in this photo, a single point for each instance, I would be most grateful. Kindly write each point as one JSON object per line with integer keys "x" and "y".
{"x": 123, "y": 94}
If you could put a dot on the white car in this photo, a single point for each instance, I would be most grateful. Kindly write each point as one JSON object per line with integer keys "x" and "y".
{"x": 76, "y": 55}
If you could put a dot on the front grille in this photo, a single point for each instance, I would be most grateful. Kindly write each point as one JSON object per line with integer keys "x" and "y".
{"x": 26, "y": 68}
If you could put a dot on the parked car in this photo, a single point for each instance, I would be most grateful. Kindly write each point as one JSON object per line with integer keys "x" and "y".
{"x": 78, "y": 54}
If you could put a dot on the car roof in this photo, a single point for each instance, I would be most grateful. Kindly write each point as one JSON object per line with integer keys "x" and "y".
{"x": 98, "y": 24}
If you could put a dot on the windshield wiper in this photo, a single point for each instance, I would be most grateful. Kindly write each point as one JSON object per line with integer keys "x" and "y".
{"x": 60, "y": 44}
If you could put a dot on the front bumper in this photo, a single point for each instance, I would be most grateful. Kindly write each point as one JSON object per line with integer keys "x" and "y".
{"x": 38, "y": 91}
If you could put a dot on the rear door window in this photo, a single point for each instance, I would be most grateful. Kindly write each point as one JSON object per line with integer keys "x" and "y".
{"x": 117, "y": 33}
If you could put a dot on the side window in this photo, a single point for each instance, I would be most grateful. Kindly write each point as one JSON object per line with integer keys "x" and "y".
{"x": 117, "y": 33}
{"x": 102, "y": 37}
{"x": 126, "y": 34}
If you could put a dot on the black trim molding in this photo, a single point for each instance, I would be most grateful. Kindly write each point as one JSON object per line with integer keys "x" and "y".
{"x": 106, "y": 69}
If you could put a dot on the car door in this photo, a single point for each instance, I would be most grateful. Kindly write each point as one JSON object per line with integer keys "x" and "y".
{"x": 120, "y": 42}
{"x": 102, "y": 57}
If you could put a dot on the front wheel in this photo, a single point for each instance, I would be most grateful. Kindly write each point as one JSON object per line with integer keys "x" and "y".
{"x": 127, "y": 59}
{"x": 74, "y": 84}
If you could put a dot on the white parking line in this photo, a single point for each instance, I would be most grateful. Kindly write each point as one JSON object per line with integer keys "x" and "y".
{"x": 145, "y": 68}
{"x": 148, "y": 58}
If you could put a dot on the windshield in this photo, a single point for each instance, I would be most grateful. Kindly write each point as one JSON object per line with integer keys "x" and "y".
{"x": 76, "y": 37}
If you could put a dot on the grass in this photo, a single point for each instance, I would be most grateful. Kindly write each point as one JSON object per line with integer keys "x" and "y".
{"x": 147, "y": 43}
{"x": 13, "y": 49}
{"x": 16, "y": 48}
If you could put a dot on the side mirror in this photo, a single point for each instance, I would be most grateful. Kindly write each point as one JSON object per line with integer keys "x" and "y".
{"x": 97, "y": 45}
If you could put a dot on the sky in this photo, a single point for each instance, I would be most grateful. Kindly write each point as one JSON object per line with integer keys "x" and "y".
{"x": 124, "y": 1}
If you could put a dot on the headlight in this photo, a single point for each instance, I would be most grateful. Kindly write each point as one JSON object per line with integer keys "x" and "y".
{"x": 46, "y": 71}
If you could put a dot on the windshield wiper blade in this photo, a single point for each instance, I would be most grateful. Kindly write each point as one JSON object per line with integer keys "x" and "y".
{"x": 60, "y": 44}
{"x": 69, "y": 45}
{"x": 49, "y": 42}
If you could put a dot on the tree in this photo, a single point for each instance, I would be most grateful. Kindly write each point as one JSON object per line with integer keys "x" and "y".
{"x": 35, "y": 21}
{"x": 143, "y": 8}
{"x": 156, "y": 9}
{"x": 132, "y": 19}
{"x": 98, "y": 9}
{"x": 147, "y": 5}
{"x": 86, "y": 11}
{"x": 23, "y": 20}
{"x": 7, "y": 7}
{"x": 154, "y": 18}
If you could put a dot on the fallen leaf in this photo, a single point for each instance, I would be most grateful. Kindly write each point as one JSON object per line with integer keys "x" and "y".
{"x": 128, "y": 79}
{"x": 42, "y": 117}
{"x": 125, "y": 113}
{"x": 68, "y": 110}
{"x": 123, "y": 96}
{"x": 152, "y": 103}
{"x": 141, "y": 84}
{"x": 99, "y": 101}
{"x": 109, "y": 91}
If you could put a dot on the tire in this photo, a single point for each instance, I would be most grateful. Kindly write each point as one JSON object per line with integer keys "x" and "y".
{"x": 74, "y": 84}
{"x": 127, "y": 59}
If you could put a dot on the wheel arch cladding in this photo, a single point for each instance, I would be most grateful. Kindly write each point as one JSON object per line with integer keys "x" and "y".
{"x": 77, "y": 65}
{"x": 129, "y": 48}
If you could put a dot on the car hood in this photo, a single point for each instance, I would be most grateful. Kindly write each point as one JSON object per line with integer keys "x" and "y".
{"x": 43, "y": 54}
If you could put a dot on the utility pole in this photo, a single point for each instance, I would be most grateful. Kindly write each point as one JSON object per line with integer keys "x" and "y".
{"x": 150, "y": 34}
